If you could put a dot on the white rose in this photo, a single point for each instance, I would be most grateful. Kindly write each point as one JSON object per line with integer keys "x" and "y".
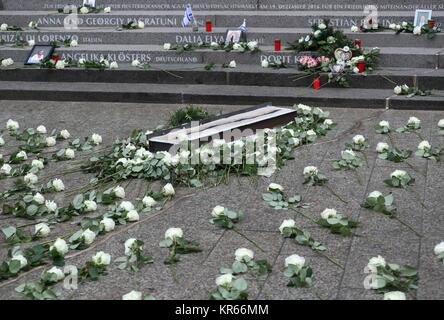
{"x": 30, "y": 178}
{"x": 311, "y": 170}
{"x": 22, "y": 155}
{"x": 57, "y": 272}
{"x": 173, "y": 233}
{"x": 135, "y": 63}
{"x": 417, "y": 30}
{"x": 128, "y": 246}
{"x": 224, "y": 280}
{"x": 50, "y": 141}
{"x": 12, "y": 125}
{"x": 398, "y": 174}
{"x": 7, "y": 62}
{"x": 82, "y": 61}
{"x": 217, "y": 211}
{"x": 41, "y": 129}
{"x": 5, "y": 169}
{"x": 381, "y": 147}
{"x": 398, "y": 27}
{"x": 413, "y": 120}
{"x": 119, "y": 192}
{"x": 375, "y": 194}
{"x": 101, "y": 258}
{"x": 395, "y": 295}
{"x": 237, "y": 46}
{"x": 439, "y": 248}
{"x": 108, "y": 224}
{"x": 358, "y": 139}
{"x": 328, "y": 213}
{"x": 328, "y": 122}
{"x": 392, "y": 26}
{"x": 354, "y": 29}
{"x": 322, "y": 26}
{"x": 376, "y": 262}
{"x": 2, "y": 141}
{"x": 404, "y": 24}
{"x": 60, "y": 246}
{"x": 23, "y": 261}
{"x": 84, "y": 10}
{"x": 41, "y": 230}
{"x": 290, "y": 223}
{"x": 107, "y": 10}
{"x": 148, "y": 201}
{"x": 168, "y": 190}
{"x": 232, "y": 64}
{"x": 348, "y": 151}
{"x": 69, "y": 153}
{"x": 37, "y": 164}
{"x": 90, "y": 205}
{"x": 295, "y": 260}
{"x": 252, "y": 45}
{"x": 275, "y": 186}
{"x": 264, "y": 63}
{"x": 132, "y": 216}
{"x": 60, "y": 65}
{"x": 311, "y": 133}
{"x": 73, "y": 43}
{"x": 50, "y": 205}
{"x": 214, "y": 44}
{"x": 317, "y": 33}
{"x": 38, "y": 198}
{"x": 58, "y": 185}
{"x": 244, "y": 254}
{"x": 126, "y": 206}
{"x": 397, "y": 90}
{"x": 3, "y": 27}
{"x": 167, "y": 46}
{"x": 96, "y": 138}
{"x": 384, "y": 124}
{"x": 65, "y": 134}
{"x": 140, "y": 25}
{"x": 441, "y": 123}
{"x": 133, "y": 295}
{"x": 424, "y": 145}
{"x": 114, "y": 65}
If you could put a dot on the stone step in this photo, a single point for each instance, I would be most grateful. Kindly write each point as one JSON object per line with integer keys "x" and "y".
{"x": 283, "y": 5}
{"x": 287, "y": 19}
{"x": 251, "y": 75}
{"x": 214, "y": 94}
{"x": 160, "y": 35}
{"x": 389, "y": 57}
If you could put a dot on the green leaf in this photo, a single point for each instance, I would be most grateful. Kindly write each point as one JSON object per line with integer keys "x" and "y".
{"x": 240, "y": 284}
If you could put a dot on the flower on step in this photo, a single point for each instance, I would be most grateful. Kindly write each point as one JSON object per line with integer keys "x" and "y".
{"x": 140, "y": 24}
{"x": 132, "y": 216}
{"x": 441, "y": 123}
{"x": 417, "y": 30}
{"x": 119, "y": 192}
{"x": 5, "y": 169}
{"x": 173, "y": 233}
{"x": 107, "y": 224}
{"x": 114, "y": 65}
{"x": 69, "y": 153}
{"x": 299, "y": 274}
{"x": 232, "y": 64}
{"x": 135, "y": 63}
{"x": 397, "y": 90}
{"x": 56, "y": 273}
{"x": 30, "y": 179}
{"x": 38, "y": 198}
{"x": 252, "y": 45}
{"x": 51, "y": 206}
{"x": 21, "y": 259}
{"x": 275, "y": 187}
{"x": 375, "y": 263}
{"x": 90, "y": 205}
{"x": 73, "y": 43}
{"x": 354, "y": 29}
{"x": 395, "y": 295}
{"x": 148, "y": 202}
{"x": 168, "y": 190}
{"x": 425, "y": 150}
{"x": 392, "y": 26}
{"x": 88, "y": 236}
{"x": 238, "y": 47}
{"x": 41, "y": 230}
{"x": 244, "y": 255}
{"x": 107, "y": 10}
{"x": 329, "y": 213}
{"x": 60, "y": 64}
{"x": 264, "y": 63}
{"x": 3, "y": 27}
{"x": 167, "y": 46}
{"x": 382, "y": 147}
{"x": 383, "y": 127}
{"x": 37, "y": 164}
{"x": 101, "y": 258}
{"x": 2, "y": 141}
{"x": 133, "y": 295}
{"x": 31, "y": 43}
{"x": 41, "y": 129}
{"x": 60, "y": 247}
{"x": 289, "y": 223}
{"x": 12, "y": 125}
{"x": 439, "y": 251}
{"x": 96, "y": 138}
{"x": 57, "y": 185}
{"x": 50, "y": 141}
{"x": 424, "y": 145}
{"x": 359, "y": 139}
{"x": 399, "y": 179}
{"x": 84, "y": 10}
{"x": 310, "y": 171}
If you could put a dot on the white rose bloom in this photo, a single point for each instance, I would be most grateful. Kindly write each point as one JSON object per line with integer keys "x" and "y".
{"x": 41, "y": 129}
{"x": 60, "y": 64}
{"x": 397, "y": 90}
{"x": 375, "y": 194}
{"x": 128, "y": 246}
{"x": 22, "y": 155}
{"x": 108, "y": 224}
{"x": 392, "y": 26}
{"x": 101, "y": 258}
{"x": 96, "y": 138}
{"x": 23, "y": 261}
{"x": 90, "y": 205}
{"x": 12, "y": 125}
{"x": 328, "y": 213}
{"x": 317, "y": 33}
{"x": 3, "y": 27}
{"x": 50, "y": 205}
{"x": 168, "y": 190}
{"x": 50, "y": 141}
{"x": 58, "y": 185}
{"x": 348, "y": 151}
{"x": 328, "y": 122}
{"x": 41, "y": 230}
{"x": 441, "y": 123}
{"x": 224, "y": 280}
{"x": 38, "y": 198}
{"x": 73, "y": 43}
{"x": 264, "y": 63}
{"x": 37, "y": 164}
{"x": 148, "y": 201}
{"x": 376, "y": 262}
{"x": 439, "y": 248}
{"x": 384, "y": 124}
{"x": 7, "y": 62}
{"x": 413, "y": 120}
{"x": 84, "y": 10}
{"x": 232, "y": 64}
{"x": 398, "y": 27}
{"x": 322, "y": 26}
{"x": 69, "y": 153}
{"x": 295, "y": 260}
{"x": 60, "y": 246}
{"x": 119, "y": 192}
{"x": 311, "y": 170}
{"x": 135, "y": 63}
{"x": 133, "y": 295}
{"x": 30, "y": 178}
{"x": 382, "y": 147}
{"x": 311, "y": 133}
{"x": 404, "y": 24}
{"x": 173, "y": 233}
{"x": 140, "y": 25}
{"x": 424, "y": 145}
{"x": 359, "y": 139}
{"x": 65, "y": 134}
{"x": 58, "y": 272}
{"x": 82, "y": 61}
{"x": 395, "y": 295}
{"x": 252, "y": 45}
{"x": 107, "y": 10}
{"x": 217, "y": 211}
{"x": 417, "y": 30}
{"x": 2, "y": 141}
{"x": 114, "y": 65}
{"x": 244, "y": 254}
{"x": 167, "y": 46}
{"x": 126, "y": 206}
{"x": 237, "y": 46}
{"x": 398, "y": 174}
{"x": 290, "y": 223}
{"x": 275, "y": 186}
{"x": 132, "y": 216}
{"x": 5, "y": 169}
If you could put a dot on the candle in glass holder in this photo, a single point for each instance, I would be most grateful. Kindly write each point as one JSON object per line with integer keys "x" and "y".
{"x": 277, "y": 45}
{"x": 55, "y": 57}
{"x": 316, "y": 84}
{"x": 208, "y": 26}
{"x": 431, "y": 23}
{"x": 358, "y": 43}
{"x": 361, "y": 66}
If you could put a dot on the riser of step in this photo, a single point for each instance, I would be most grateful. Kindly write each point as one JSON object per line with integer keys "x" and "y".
{"x": 159, "y": 36}
{"x": 208, "y": 94}
{"x": 229, "y": 5}
{"x": 389, "y": 57}
{"x": 254, "y": 76}
{"x": 299, "y": 19}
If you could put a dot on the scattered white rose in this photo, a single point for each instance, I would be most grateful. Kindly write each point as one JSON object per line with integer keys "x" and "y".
{"x": 126, "y": 206}
{"x": 417, "y": 30}
{"x": 3, "y": 27}
{"x": 108, "y": 224}
{"x": 414, "y": 120}
{"x": 84, "y": 10}
{"x": 328, "y": 213}
{"x": 424, "y": 145}
{"x": 107, "y": 10}
{"x": 237, "y": 46}
{"x": 322, "y": 26}
{"x": 311, "y": 133}
{"x": 69, "y": 153}
{"x": 58, "y": 273}
{"x": 375, "y": 194}
{"x": 317, "y": 33}
{"x": 398, "y": 174}
{"x": 5, "y": 169}
{"x": 7, "y": 62}
{"x": 41, "y": 129}
{"x": 167, "y": 46}
{"x": 90, "y": 205}
{"x": 60, "y": 246}
{"x": 132, "y": 216}
{"x": 217, "y": 211}
{"x": 349, "y": 152}
{"x": 37, "y": 164}
{"x": 114, "y": 65}
{"x": 376, "y": 262}
{"x": 65, "y": 134}
{"x": 101, "y": 258}
{"x": 31, "y": 43}
{"x": 128, "y": 246}
{"x": 119, "y": 192}
{"x": 244, "y": 255}
{"x": 39, "y": 198}
{"x": 397, "y": 90}
{"x": 135, "y": 63}
{"x": 224, "y": 280}
{"x": 264, "y": 63}
{"x": 382, "y": 147}
{"x": 404, "y": 24}
{"x": 73, "y": 43}
{"x": 328, "y": 122}
{"x": 58, "y": 185}
{"x": 289, "y": 223}
{"x": 50, "y": 141}
{"x": 168, "y": 190}
{"x": 41, "y": 230}
{"x": 358, "y": 139}
{"x": 96, "y": 138}
{"x": 30, "y": 178}
{"x": 148, "y": 201}
{"x": 60, "y": 64}
{"x": 2, "y": 141}
{"x": 173, "y": 233}
{"x": 441, "y": 123}
{"x": 384, "y": 124}
{"x": 275, "y": 186}
{"x": 133, "y": 295}
{"x": 395, "y": 295}
{"x": 88, "y": 236}
{"x": 12, "y": 125}
{"x": 252, "y": 45}
{"x": 22, "y": 155}
{"x": 140, "y": 24}
{"x": 23, "y": 261}
{"x": 51, "y": 205}
{"x": 439, "y": 248}
{"x": 295, "y": 260}
{"x": 310, "y": 171}
{"x": 232, "y": 64}
{"x": 392, "y": 26}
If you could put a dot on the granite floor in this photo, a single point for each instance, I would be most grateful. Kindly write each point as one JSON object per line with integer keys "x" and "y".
{"x": 194, "y": 275}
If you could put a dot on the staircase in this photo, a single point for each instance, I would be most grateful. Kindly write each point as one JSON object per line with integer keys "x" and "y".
{"x": 181, "y": 77}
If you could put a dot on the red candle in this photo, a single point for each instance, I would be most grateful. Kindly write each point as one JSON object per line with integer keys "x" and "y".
{"x": 361, "y": 66}
{"x": 316, "y": 84}
{"x": 208, "y": 26}
{"x": 358, "y": 43}
{"x": 431, "y": 23}
{"x": 277, "y": 45}
{"x": 55, "y": 57}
